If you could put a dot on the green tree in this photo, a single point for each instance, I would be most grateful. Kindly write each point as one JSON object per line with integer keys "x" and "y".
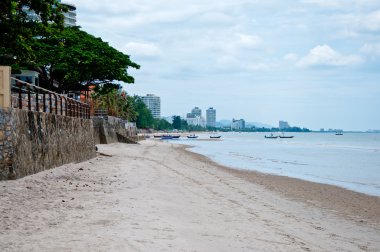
{"x": 162, "y": 124}
{"x": 144, "y": 118}
{"x": 22, "y": 22}
{"x": 177, "y": 123}
{"x": 73, "y": 58}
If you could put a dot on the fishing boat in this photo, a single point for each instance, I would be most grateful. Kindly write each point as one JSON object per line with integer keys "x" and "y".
{"x": 176, "y": 136}
{"x": 215, "y": 136}
{"x": 283, "y": 136}
{"x": 192, "y": 136}
{"x": 271, "y": 136}
{"x": 166, "y": 137}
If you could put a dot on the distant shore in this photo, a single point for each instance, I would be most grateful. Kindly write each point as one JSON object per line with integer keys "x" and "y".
{"x": 158, "y": 196}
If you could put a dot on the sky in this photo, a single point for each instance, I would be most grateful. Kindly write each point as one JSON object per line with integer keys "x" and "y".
{"x": 313, "y": 63}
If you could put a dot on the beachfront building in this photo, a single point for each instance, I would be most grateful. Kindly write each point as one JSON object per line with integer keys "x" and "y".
{"x": 196, "y": 112}
{"x": 211, "y": 117}
{"x": 70, "y": 15}
{"x": 153, "y": 103}
{"x": 196, "y": 121}
{"x": 283, "y": 125}
{"x": 238, "y": 124}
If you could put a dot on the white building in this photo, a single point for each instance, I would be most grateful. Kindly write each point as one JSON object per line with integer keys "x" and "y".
{"x": 153, "y": 103}
{"x": 196, "y": 121}
{"x": 237, "y": 124}
{"x": 196, "y": 112}
{"x": 70, "y": 15}
{"x": 283, "y": 125}
{"x": 211, "y": 117}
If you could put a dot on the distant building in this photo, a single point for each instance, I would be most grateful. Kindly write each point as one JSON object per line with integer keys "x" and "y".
{"x": 237, "y": 124}
{"x": 196, "y": 121}
{"x": 154, "y": 104}
{"x": 211, "y": 117}
{"x": 196, "y": 112}
{"x": 283, "y": 125}
{"x": 70, "y": 15}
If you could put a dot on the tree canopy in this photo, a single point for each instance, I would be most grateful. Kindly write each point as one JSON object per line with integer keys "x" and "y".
{"x": 73, "y": 58}
{"x": 21, "y": 23}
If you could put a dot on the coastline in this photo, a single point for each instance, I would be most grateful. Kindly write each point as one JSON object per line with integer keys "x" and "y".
{"x": 158, "y": 196}
{"x": 357, "y": 206}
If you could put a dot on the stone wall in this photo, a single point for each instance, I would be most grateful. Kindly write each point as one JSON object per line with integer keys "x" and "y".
{"x": 112, "y": 130}
{"x": 6, "y": 143}
{"x": 37, "y": 141}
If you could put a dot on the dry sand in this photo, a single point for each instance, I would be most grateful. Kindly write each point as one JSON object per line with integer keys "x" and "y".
{"x": 158, "y": 197}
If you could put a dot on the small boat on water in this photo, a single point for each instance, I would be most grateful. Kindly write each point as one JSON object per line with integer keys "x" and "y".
{"x": 176, "y": 136}
{"x": 157, "y": 136}
{"x": 339, "y": 134}
{"x": 283, "y": 136}
{"x": 166, "y": 137}
{"x": 192, "y": 136}
{"x": 215, "y": 136}
{"x": 271, "y": 136}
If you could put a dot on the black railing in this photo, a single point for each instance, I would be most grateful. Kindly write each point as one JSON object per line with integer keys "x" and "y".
{"x": 34, "y": 98}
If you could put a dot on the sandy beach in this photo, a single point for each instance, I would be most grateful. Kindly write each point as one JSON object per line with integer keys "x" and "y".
{"x": 157, "y": 196}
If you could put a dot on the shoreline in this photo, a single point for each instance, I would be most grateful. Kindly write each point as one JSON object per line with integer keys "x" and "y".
{"x": 357, "y": 206}
{"x": 158, "y": 196}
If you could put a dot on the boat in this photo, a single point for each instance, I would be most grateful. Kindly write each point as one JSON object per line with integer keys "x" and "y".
{"x": 271, "y": 136}
{"x": 339, "y": 134}
{"x": 192, "y": 136}
{"x": 166, "y": 137}
{"x": 215, "y": 136}
{"x": 157, "y": 136}
{"x": 176, "y": 136}
{"x": 283, "y": 136}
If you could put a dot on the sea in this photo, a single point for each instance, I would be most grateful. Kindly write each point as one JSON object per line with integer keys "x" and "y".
{"x": 351, "y": 160}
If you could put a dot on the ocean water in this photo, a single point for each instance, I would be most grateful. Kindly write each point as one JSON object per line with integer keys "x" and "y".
{"x": 350, "y": 161}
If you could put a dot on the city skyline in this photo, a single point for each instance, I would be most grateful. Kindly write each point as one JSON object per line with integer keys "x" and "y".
{"x": 312, "y": 62}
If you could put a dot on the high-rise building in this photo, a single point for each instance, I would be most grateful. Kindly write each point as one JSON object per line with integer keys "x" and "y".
{"x": 283, "y": 125}
{"x": 237, "y": 124}
{"x": 211, "y": 117}
{"x": 196, "y": 112}
{"x": 70, "y": 15}
{"x": 154, "y": 104}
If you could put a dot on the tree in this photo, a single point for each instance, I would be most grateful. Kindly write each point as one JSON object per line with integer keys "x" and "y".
{"x": 73, "y": 58}
{"x": 176, "y": 122}
{"x": 21, "y": 24}
{"x": 144, "y": 118}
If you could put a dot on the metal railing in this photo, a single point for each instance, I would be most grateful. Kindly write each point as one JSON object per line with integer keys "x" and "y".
{"x": 30, "y": 97}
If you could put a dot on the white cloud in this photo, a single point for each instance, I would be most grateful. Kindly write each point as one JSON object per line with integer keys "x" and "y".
{"x": 372, "y": 49}
{"x": 291, "y": 57}
{"x": 323, "y": 55}
{"x": 249, "y": 41}
{"x": 142, "y": 49}
{"x": 372, "y": 21}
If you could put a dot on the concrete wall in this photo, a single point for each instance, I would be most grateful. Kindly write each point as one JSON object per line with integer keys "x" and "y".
{"x": 113, "y": 130}
{"x": 38, "y": 141}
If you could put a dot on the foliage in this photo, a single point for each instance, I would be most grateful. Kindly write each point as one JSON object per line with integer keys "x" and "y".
{"x": 177, "y": 123}
{"x": 162, "y": 124}
{"x": 22, "y": 22}
{"x": 116, "y": 102}
{"x": 73, "y": 58}
{"x": 144, "y": 118}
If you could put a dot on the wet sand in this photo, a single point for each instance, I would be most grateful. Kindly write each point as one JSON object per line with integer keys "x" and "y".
{"x": 159, "y": 197}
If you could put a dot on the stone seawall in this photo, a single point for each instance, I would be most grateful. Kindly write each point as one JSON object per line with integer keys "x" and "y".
{"x": 38, "y": 141}
{"x": 113, "y": 130}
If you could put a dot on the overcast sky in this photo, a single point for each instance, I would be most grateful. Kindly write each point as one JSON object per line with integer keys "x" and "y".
{"x": 313, "y": 63}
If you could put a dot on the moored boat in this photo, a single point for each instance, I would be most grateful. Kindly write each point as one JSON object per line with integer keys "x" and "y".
{"x": 192, "y": 136}
{"x": 215, "y": 136}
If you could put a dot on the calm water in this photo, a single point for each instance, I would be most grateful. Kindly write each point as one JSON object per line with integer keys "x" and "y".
{"x": 351, "y": 161}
